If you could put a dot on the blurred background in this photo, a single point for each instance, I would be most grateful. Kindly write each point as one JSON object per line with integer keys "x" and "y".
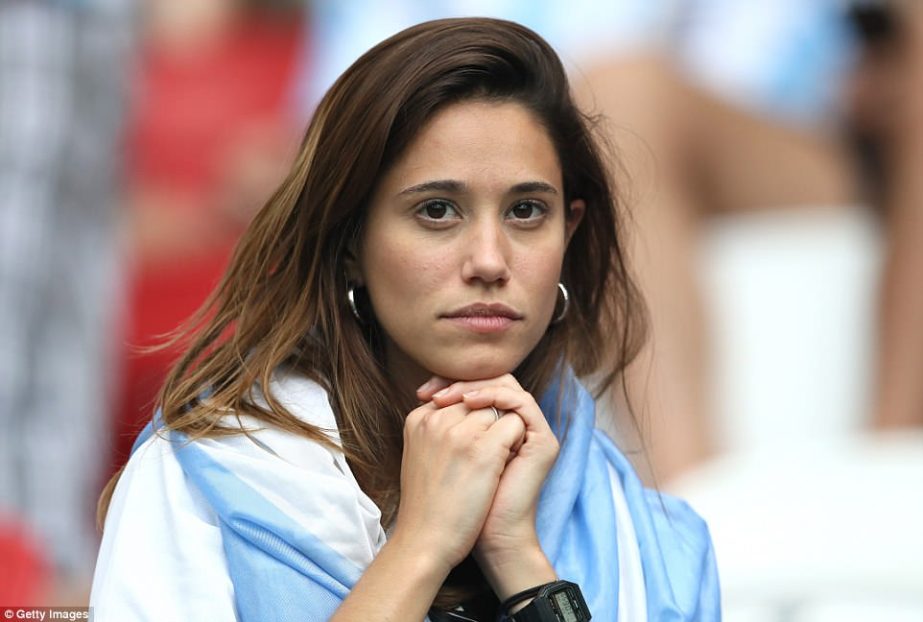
{"x": 770, "y": 156}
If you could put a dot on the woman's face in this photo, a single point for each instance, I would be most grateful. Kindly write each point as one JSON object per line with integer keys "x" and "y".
{"x": 463, "y": 246}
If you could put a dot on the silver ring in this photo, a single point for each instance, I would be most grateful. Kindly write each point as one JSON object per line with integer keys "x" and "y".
{"x": 496, "y": 414}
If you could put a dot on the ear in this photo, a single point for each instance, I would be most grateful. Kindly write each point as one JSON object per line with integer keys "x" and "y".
{"x": 352, "y": 264}
{"x": 573, "y": 217}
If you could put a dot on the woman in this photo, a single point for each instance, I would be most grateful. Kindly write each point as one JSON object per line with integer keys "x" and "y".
{"x": 352, "y": 434}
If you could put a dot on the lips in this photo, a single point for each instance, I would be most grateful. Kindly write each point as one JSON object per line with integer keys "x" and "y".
{"x": 484, "y": 318}
{"x": 485, "y": 310}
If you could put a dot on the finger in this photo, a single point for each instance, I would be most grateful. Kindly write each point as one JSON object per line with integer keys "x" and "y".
{"x": 486, "y": 419}
{"x": 429, "y": 417}
{"x": 427, "y": 389}
{"x": 507, "y": 399}
{"x": 414, "y": 417}
{"x": 536, "y": 438}
{"x": 454, "y": 392}
{"x": 507, "y": 432}
{"x": 480, "y": 418}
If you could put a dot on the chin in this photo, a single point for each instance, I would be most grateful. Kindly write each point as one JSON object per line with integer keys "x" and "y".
{"x": 477, "y": 368}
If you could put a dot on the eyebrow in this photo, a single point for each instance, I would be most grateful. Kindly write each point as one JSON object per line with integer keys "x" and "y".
{"x": 457, "y": 187}
{"x": 440, "y": 185}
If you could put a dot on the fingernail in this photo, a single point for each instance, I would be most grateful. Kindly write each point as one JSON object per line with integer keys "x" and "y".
{"x": 471, "y": 393}
{"x": 426, "y": 385}
{"x": 441, "y": 392}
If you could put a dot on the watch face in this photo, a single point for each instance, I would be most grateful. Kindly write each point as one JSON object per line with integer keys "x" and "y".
{"x": 562, "y": 603}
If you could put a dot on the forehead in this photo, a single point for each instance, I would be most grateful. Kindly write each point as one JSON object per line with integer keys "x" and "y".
{"x": 479, "y": 142}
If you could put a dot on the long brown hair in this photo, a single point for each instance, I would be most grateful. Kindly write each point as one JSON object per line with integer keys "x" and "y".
{"x": 283, "y": 299}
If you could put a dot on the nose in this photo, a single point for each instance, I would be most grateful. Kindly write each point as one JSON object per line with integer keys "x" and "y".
{"x": 486, "y": 254}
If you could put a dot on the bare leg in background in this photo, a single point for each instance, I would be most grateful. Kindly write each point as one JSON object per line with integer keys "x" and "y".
{"x": 687, "y": 155}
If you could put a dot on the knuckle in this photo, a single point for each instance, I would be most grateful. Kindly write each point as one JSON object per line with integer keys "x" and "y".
{"x": 413, "y": 419}
{"x": 513, "y": 395}
{"x": 457, "y": 438}
{"x": 426, "y": 421}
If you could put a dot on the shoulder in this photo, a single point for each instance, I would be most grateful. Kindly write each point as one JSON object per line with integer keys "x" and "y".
{"x": 680, "y": 529}
{"x": 179, "y": 501}
{"x": 307, "y": 401}
{"x": 156, "y": 519}
{"x": 284, "y": 468}
{"x": 666, "y": 513}
{"x": 302, "y": 397}
{"x": 269, "y": 481}
{"x": 674, "y": 541}
{"x": 677, "y": 527}
{"x": 688, "y": 555}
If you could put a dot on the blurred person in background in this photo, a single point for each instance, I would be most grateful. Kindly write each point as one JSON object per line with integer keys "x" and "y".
{"x": 737, "y": 110}
{"x": 209, "y": 135}
{"x": 62, "y": 70}
{"x": 887, "y": 120}
{"x": 759, "y": 119}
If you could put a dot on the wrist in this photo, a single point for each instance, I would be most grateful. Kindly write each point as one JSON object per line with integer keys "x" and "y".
{"x": 510, "y": 571}
{"x": 423, "y": 560}
{"x": 508, "y": 547}
{"x": 399, "y": 584}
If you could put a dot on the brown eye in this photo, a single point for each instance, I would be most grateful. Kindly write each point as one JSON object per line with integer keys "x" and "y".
{"x": 527, "y": 210}
{"x": 438, "y": 210}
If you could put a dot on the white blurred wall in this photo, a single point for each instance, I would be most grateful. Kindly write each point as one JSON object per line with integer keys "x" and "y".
{"x": 813, "y": 519}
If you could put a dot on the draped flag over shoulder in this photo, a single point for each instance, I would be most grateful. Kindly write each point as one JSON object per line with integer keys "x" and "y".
{"x": 286, "y": 569}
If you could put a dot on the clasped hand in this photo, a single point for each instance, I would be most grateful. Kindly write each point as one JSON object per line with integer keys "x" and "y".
{"x": 470, "y": 481}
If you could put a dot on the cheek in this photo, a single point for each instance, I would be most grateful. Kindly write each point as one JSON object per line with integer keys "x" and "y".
{"x": 397, "y": 270}
{"x": 539, "y": 273}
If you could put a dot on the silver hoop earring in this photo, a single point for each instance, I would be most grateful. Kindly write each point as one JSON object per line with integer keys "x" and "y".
{"x": 351, "y": 298}
{"x": 564, "y": 307}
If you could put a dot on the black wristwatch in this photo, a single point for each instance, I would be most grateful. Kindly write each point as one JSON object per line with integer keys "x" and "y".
{"x": 560, "y": 601}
